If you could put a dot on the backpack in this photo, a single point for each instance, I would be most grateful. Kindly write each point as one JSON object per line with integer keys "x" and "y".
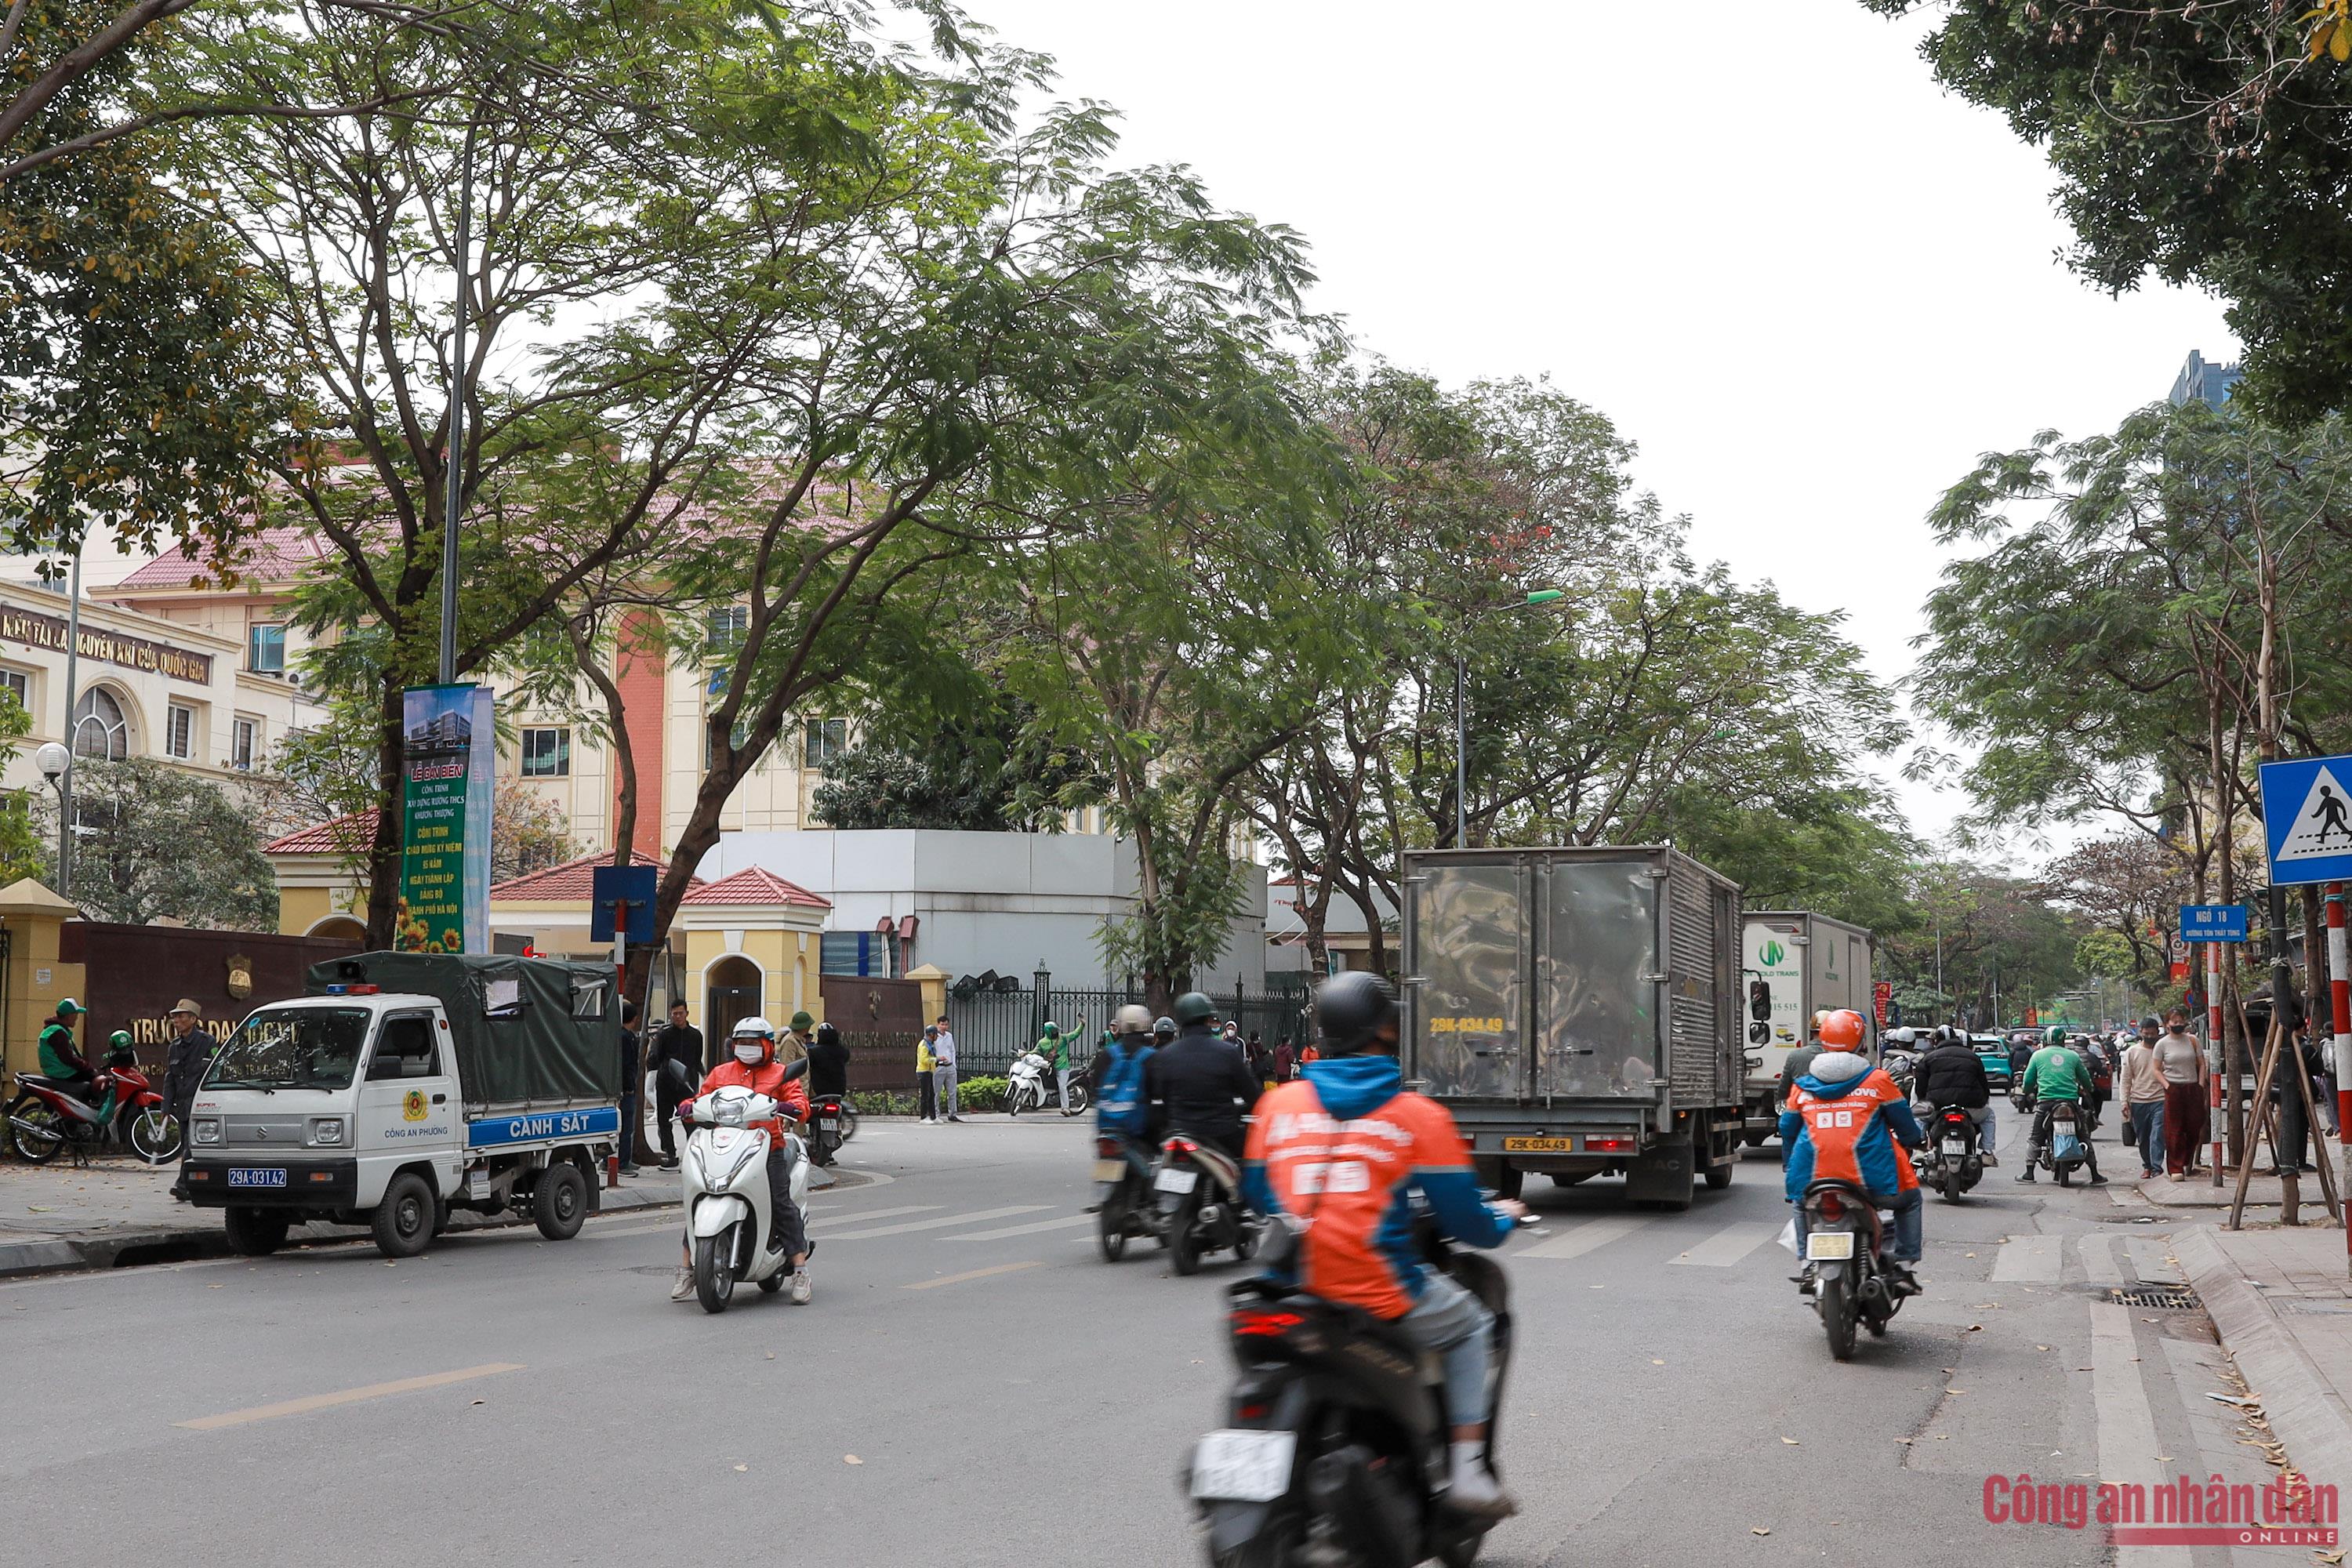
{"x": 1119, "y": 1104}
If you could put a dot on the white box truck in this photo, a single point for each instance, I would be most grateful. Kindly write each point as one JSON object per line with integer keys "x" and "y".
{"x": 1796, "y": 963}
{"x": 404, "y": 1086}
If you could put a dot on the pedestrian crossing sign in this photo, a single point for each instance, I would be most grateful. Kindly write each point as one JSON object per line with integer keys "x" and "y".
{"x": 2307, "y": 820}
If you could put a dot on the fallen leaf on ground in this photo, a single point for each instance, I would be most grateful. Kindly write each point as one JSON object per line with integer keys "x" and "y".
{"x": 851, "y": 1459}
{"x": 742, "y": 1467}
{"x": 2042, "y": 1347}
{"x": 1974, "y": 1329}
{"x": 1757, "y": 1530}
{"x": 1655, "y": 1362}
{"x": 1793, "y": 1442}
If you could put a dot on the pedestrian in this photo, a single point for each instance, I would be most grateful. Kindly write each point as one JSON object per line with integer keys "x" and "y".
{"x": 2144, "y": 1095}
{"x": 943, "y": 1068}
{"x": 1261, "y": 1060}
{"x": 632, "y": 1095}
{"x": 927, "y": 1091}
{"x": 2183, "y": 1061}
{"x": 185, "y": 1057}
{"x": 677, "y": 1062}
{"x": 795, "y": 1045}
{"x": 1285, "y": 1060}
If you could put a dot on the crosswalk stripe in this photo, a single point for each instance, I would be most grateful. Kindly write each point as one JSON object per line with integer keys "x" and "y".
{"x": 2030, "y": 1259}
{"x": 1727, "y": 1246}
{"x": 874, "y": 1213}
{"x": 940, "y": 1224}
{"x": 2099, "y": 1260}
{"x": 2126, "y": 1427}
{"x": 1067, "y": 1222}
{"x": 1583, "y": 1238}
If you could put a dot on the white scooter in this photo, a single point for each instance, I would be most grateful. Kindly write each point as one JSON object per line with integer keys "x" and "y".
{"x": 728, "y": 1217}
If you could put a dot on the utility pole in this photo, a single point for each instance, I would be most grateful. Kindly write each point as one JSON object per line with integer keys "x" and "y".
{"x": 453, "y": 495}
{"x": 73, "y": 730}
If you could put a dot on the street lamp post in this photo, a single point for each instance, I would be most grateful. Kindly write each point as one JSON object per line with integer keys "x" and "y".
{"x": 1462, "y": 716}
{"x": 454, "y": 494}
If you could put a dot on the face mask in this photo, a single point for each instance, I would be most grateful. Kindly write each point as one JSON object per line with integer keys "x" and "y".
{"x": 749, "y": 1055}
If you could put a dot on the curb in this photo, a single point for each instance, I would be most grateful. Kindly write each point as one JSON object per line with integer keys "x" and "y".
{"x": 2309, "y": 1420}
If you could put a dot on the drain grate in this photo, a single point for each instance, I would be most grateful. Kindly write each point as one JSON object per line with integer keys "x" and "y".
{"x": 2175, "y": 1301}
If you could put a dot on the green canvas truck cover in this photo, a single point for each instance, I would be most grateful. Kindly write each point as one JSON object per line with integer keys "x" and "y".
{"x": 530, "y": 1033}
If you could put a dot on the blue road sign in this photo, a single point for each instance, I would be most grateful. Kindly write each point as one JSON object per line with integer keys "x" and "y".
{"x": 2307, "y": 820}
{"x": 2213, "y": 922}
{"x": 609, "y": 885}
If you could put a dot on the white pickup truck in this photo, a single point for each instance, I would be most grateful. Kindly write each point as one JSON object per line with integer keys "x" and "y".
{"x": 406, "y": 1086}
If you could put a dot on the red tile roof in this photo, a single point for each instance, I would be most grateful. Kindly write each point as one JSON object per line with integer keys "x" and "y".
{"x": 343, "y": 835}
{"x": 754, "y": 886}
{"x": 574, "y": 881}
{"x": 269, "y": 556}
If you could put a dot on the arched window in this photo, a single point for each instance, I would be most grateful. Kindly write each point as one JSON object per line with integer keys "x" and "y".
{"x": 100, "y": 728}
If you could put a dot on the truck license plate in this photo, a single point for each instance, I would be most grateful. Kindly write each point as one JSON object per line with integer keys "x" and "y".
{"x": 257, "y": 1176}
{"x": 1828, "y": 1246}
{"x": 1538, "y": 1145}
{"x": 1243, "y": 1466}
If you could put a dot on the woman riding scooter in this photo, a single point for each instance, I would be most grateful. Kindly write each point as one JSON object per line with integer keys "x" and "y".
{"x": 755, "y": 1068}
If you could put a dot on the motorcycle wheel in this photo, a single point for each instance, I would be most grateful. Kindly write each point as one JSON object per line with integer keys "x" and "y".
{"x": 1836, "y": 1293}
{"x": 1013, "y": 1099}
{"x": 1080, "y": 1098}
{"x": 773, "y": 1283}
{"x": 155, "y": 1137}
{"x": 1274, "y": 1546}
{"x": 1245, "y": 1247}
{"x": 714, "y": 1281}
{"x": 1462, "y": 1553}
{"x": 1112, "y": 1232}
{"x": 1951, "y": 1186}
{"x": 1185, "y": 1245}
{"x": 37, "y": 1131}
{"x": 2065, "y": 1175}
{"x": 848, "y": 1125}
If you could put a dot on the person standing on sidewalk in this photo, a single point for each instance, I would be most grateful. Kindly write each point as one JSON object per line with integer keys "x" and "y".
{"x": 184, "y": 1059}
{"x": 927, "y": 1087}
{"x": 2183, "y": 1061}
{"x": 2141, "y": 1080}
{"x": 943, "y": 1057}
{"x": 677, "y": 1067}
{"x": 633, "y": 1093}
{"x": 791, "y": 1046}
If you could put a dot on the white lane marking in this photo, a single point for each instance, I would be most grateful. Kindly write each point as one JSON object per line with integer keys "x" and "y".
{"x": 2126, "y": 1427}
{"x": 2099, "y": 1260}
{"x": 1582, "y": 1239}
{"x": 346, "y": 1396}
{"x": 2032, "y": 1259}
{"x": 974, "y": 1273}
{"x": 1068, "y": 1223}
{"x": 874, "y": 1213}
{"x": 1727, "y": 1246}
{"x": 971, "y": 1218}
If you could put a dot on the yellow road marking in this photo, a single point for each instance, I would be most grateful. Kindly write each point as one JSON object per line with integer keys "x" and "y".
{"x": 348, "y": 1397}
{"x": 973, "y": 1274}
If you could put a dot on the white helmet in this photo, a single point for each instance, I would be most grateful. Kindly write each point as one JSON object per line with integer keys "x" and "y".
{"x": 756, "y": 1026}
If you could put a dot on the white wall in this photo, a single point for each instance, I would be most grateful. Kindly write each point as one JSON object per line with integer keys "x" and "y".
{"x": 1006, "y": 901}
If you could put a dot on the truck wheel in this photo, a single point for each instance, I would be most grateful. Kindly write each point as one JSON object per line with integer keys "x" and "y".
{"x": 1509, "y": 1181}
{"x": 255, "y": 1232}
{"x": 1718, "y": 1177}
{"x": 560, "y": 1201}
{"x": 403, "y": 1222}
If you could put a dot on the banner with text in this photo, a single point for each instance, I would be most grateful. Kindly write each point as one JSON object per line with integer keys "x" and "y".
{"x": 445, "y": 789}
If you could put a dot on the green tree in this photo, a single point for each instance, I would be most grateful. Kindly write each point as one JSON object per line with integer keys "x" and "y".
{"x": 986, "y": 770}
{"x": 151, "y": 842}
{"x": 1992, "y": 938}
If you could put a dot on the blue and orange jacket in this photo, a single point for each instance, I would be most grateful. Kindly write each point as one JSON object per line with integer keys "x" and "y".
{"x": 1342, "y": 1149}
{"x": 1843, "y": 1121}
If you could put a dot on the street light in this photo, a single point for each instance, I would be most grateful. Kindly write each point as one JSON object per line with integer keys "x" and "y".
{"x": 56, "y": 763}
{"x": 1461, "y": 716}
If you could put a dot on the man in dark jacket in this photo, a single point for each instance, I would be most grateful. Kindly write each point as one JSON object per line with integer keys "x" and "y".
{"x": 828, "y": 1059}
{"x": 1950, "y": 1074}
{"x": 185, "y": 1058}
{"x": 1198, "y": 1085}
{"x": 678, "y": 1066}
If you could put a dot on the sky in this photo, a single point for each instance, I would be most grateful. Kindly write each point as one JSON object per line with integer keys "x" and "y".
{"x": 1811, "y": 287}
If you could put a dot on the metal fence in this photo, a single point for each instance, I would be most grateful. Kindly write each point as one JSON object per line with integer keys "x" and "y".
{"x": 993, "y": 1028}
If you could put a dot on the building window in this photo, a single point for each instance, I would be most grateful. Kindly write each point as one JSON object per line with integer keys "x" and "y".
{"x": 18, "y": 685}
{"x": 179, "y": 731}
{"x": 244, "y": 741}
{"x": 265, "y": 649}
{"x": 825, "y": 740}
{"x": 728, "y": 625}
{"x": 100, "y": 729}
{"x": 546, "y": 754}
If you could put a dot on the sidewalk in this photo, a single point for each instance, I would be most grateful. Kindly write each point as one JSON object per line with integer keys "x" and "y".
{"x": 117, "y": 1212}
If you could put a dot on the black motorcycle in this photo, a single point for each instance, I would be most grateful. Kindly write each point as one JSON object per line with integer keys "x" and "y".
{"x": 1123, "y": 1201}
{"x": 1336, "y": 1454}
{"x": 1851, "y": 1281}
{"x": 1199, "y": 1195}
{"x": 1950, "y": 1160}
{"x": 832, "y": 1124}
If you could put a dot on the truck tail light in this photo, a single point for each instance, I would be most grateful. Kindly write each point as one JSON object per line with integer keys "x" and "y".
{"x": 1609, "y": 1145}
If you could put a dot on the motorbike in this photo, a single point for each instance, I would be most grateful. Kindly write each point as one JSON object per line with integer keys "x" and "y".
{"x": 1335, "y": 1454}
{"x": 1900, "y": 1066}
{"x": 47, "y": 1117}
{"x": 1198, "y": 1192}
{"x": 834, "y": 1121}
{"x": 1123, "y": 1201}
{"x": 1852, "y": 1285}
{"x": 1031, "y": 1085}
{"x": 725, "y": 1177}
{"x": 2068, "y": 1148}
{"x": 1950, "y": 1160}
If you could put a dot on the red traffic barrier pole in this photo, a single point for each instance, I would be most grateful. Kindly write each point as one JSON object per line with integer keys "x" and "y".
{"x": 2339, "y": 988}
{"x": 2214, "y": 1045}
{"x": 612, "y": 1171}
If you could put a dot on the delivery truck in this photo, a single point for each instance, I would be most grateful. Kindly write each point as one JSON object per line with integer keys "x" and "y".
{"x": 402, "y": 1086}
{"x": 1794, "y": 964}
{"x": 1578, "y": 1011}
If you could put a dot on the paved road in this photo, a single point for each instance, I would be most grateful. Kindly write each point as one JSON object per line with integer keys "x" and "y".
{"x": 973, "y": 1385}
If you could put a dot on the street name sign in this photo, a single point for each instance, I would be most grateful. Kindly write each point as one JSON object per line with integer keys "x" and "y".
{"x": 2213, "y": 922}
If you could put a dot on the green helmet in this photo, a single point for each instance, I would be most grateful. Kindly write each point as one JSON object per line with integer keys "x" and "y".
{"x": 1053, "y": 1031}
{"x": 1195, "y": 1007}
{"x": 2055, "y": 1035}
{"x": 119, "y": 1040}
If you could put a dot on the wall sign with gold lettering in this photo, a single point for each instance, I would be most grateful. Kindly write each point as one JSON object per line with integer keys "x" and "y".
{"x": 37, "y": 630}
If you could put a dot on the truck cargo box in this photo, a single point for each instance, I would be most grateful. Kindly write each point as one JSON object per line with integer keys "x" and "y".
{"x": 529, "y": 1033}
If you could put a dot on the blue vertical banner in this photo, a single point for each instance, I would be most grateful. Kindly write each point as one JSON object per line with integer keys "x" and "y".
{"x": 450, "y": 745}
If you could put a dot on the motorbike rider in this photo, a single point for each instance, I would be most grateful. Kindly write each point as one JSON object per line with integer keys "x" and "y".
{"x": 1057, "y": 1052}
{"x": 1198, "y": 1085}
{"x": 62, "y": 1062}
{"x": 1349, "y": 1114}
{"x": 1948, "y": 1073}
{"x": 828, "y": 1059}
{"x": 755, "y": 1068}
{"x": 1163, "y": 1030}
{"x": 1843, "y": 1121}
{"x": 1115, "y": 1076}
{"x": 2057, "y": 1076}
{"x": 1801, "y": 1060}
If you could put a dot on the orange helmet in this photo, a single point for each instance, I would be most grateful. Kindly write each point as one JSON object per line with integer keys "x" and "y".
{"x": 1842, "y": 1031}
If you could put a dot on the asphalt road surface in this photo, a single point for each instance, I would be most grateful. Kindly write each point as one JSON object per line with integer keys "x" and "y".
{"x": 974, "y": 1385}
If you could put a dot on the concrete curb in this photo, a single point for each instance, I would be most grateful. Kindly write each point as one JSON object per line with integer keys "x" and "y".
{"x": 2308, "y": 1417}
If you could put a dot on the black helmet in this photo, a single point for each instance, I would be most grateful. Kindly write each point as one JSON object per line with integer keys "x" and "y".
{"x": 1195, "y": 1007}
{"x": 1164, "y": 1029}
{"x": 1352, "y": 1009}
{"x": 826, "y": 1035}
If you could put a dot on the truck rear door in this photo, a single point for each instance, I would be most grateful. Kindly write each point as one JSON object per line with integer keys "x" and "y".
{"x": 1596, "y": 970}
{"x": 1466, "y": 930}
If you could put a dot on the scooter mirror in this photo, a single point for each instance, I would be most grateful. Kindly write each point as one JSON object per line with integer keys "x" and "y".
{"x": 797, "y": 1070}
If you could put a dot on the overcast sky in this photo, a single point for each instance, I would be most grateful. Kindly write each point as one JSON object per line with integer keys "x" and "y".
{"x": 1811, "y": 286}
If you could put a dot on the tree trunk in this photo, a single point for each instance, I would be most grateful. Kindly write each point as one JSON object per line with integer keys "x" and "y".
{"x": 385, "y": 847}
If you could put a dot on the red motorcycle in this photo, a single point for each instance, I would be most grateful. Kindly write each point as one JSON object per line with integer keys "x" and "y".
{"x": 47, "y": 1117}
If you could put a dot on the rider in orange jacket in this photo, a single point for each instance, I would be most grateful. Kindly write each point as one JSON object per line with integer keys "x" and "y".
{"x": 755, "y": 1068}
